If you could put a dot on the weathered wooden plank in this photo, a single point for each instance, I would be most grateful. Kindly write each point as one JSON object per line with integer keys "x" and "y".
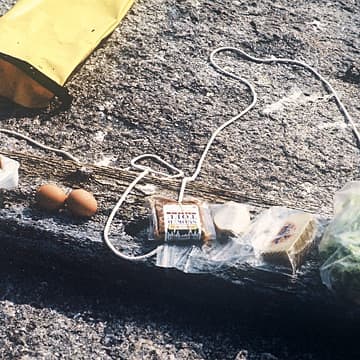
{"x": 77, "y": 245}
{"x": 113, "y": 180}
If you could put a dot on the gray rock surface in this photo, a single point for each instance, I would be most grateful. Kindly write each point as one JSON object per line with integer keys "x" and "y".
{"x": 150, "y": 88}
{"x": 49, "y": 316}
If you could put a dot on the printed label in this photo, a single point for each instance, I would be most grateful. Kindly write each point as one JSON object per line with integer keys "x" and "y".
{"x": 182, "y": 222}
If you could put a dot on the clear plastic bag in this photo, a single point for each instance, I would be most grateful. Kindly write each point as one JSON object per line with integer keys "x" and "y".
{"x": 340, "y": 245}
{"x": 218, "y": 247}
{"x": 282, "y": 237}
{"x": 279, "y": 237}
{"x": 207, "y": 258}
{"x": 173, "y": 255}
{"x": 211, "y": 259}
{"x": 9, "y": 173}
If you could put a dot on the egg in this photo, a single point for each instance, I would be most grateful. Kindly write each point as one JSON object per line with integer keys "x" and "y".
{"x": 81, "y": 203}
{"x": 50, "y": 197}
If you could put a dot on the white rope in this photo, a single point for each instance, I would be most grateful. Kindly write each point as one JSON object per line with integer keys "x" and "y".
{"x": 135, "y": 165}
{"x": 40, "y": 145}
{"x": 111, "y": 217}
{"x": 218, "y": 131}
{"x": 254, "y": 96}
{"x": 220, "y": 128}
{"x": 178, "y": 173}
{"x": 146, "y": 170}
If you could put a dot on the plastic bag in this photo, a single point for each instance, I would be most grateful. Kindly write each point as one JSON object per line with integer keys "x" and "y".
{"x": 43, "y": 41}
{"x": 216, "y": 248}
{"x": 279, "y": 239}
{"x": 210, "y": 258}
{"x": 9, "y": 173}
{"x": 173, "y": 255}
{"x": 340, "y": 245}
{"x": 282, "y": 237}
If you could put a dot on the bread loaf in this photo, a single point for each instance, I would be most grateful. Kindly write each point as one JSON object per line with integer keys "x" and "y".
{"x": 159, "y": 228}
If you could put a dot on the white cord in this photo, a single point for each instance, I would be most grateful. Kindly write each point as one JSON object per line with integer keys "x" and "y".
{"x": 146, "y": 170}
{"x": 42, "y": 146}
{"x": 254, "y": 96}
{"x": 220, "y": 128}
{"x": 216, "y": 133}
{"x": 111, "y": 217}
{"x": 178, "y": 173}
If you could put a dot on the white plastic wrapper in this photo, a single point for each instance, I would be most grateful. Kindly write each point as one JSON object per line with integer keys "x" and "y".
{"x": 9, "y": 173}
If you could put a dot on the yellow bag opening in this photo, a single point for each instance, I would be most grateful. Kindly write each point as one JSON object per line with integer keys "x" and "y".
{"x": 43, "y": 41}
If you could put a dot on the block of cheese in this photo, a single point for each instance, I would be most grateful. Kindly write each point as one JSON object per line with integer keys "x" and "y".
{"x": 283, "y": 236}
{"x": 292, "y": 241}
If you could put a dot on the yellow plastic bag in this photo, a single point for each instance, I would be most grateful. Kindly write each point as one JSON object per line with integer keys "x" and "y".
{"x": 43, "y": 41}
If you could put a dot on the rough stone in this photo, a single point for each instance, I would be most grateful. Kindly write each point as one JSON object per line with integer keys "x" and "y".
{"x": 150, "y": 88}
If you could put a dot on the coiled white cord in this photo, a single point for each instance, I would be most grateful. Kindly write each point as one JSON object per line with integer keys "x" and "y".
{"x": 217, "y": 132}
{"x": 254, "y": 97}
{"x": 145, "y": 171}
{"x": 178, "y": 173}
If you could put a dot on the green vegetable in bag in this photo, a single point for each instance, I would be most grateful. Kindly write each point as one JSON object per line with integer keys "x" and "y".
{"x": 340, "y": 246}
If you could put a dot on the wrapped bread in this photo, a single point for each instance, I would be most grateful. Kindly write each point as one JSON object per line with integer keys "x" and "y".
{"x": 188, "y": 221}
{"x": 231, "y": 218}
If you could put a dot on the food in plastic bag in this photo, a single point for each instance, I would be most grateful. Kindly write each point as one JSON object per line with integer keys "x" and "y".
{"x": 279, "y": 236}
{"x": 340, "y": 245}
{"x": 283, "y": 236}
{"x": 226, "y": 250}
{"x": 231, "y": 218}
{"x": 9, "y": 173}
{"x": 42, "y": 42}
{"x": 188, "y": 221}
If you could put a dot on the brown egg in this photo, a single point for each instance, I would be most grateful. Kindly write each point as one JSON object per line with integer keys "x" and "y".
{"x": 81, "y": 203}
{"x": 50, "y": 197}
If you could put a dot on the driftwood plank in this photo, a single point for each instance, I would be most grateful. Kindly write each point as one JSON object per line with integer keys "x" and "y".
{"x": 112, "y": 180}
{"x": 28, "y": 233}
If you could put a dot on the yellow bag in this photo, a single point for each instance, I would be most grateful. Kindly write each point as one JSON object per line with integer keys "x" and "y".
{"x": 43, "y": 41}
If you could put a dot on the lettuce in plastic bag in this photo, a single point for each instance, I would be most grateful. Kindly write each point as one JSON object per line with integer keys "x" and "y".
{"x": 340, "y": 246}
